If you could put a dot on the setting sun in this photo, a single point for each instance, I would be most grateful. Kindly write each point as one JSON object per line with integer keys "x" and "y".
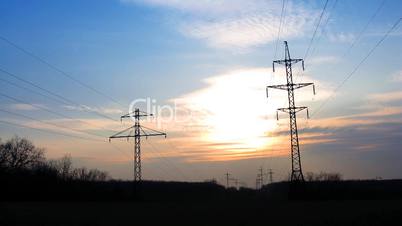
{"x": 235, "y": 113}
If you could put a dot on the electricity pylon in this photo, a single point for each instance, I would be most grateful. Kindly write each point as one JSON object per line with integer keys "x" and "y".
{"x": 261, "y": 176}
{"x": 138, "y": 133}
{"x": 227, "y": 179}
{"x": 297, "y": 174}
{"x": 257, "y": 183}
{"x": 270, "y": 173}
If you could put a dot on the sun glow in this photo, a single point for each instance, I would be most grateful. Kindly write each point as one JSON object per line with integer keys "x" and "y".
{"x": 235, "y": 111}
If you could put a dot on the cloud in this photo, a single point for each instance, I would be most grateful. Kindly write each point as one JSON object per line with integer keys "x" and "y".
{"x": 24, "y": 107}
{"x": 203, "y": 7}
{"x": 324, "y": 60}
{"x": 237, "y": 24}
{"x": 386, "y": 97}
{"x": 341, "y": 37}
{"x": 397, "y": 77}
{"x": 85, "y": 108}
{"x": 232, "y": 117}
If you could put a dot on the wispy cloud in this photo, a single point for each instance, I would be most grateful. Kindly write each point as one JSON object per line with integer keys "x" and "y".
{"x": 24, "y": 107}
{"x": 386, "y": 97}
{"x": 341, "y": 37}
{"x": 397, "y": 77}
{"x": 235, "y": 23}
{"x": 324, "y": 59}
{"x": 85, "y": 108}
{"x": 232, "y": 117}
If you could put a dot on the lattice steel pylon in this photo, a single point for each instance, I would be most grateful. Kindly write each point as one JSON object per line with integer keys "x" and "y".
{"x": 297, "y": 173}
{"x": 138, "y": 133}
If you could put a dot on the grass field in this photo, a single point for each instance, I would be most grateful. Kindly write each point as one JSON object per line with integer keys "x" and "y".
{"x": 283, "y": 213}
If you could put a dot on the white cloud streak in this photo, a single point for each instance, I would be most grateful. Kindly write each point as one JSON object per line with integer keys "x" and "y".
{"x": 24, "y": 107}
{"x": 397, "y": 77}
{"x": 235, "y": 23}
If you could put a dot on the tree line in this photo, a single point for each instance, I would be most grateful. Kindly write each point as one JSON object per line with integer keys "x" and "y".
{"x": 19, "y": 155}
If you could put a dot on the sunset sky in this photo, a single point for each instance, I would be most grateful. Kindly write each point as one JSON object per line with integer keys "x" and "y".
{"x": 71, "y": 68}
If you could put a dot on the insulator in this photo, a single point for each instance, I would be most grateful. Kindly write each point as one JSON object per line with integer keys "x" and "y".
{"x": 277, "y": 116}
{"x": 267, "y": 91}
{"x": 273, "y": 67}
{"x": 303, "y": 64}
{"x": 314, "y": 89}
{"x": 308, "y": 115}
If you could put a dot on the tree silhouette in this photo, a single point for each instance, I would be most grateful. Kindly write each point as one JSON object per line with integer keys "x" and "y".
{"x": 20, "y": 153}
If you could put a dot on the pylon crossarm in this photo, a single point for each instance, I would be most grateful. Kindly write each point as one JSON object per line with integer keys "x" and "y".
{"x": 154, "y": 135}
{"x": 283, "y": 62}
{"x": 282, "y": 87}
{"x": 295, "y": 86}
{"x": 155, "y": 131}
{"x": 132, "y": 136}
{"x": 301, "y": 85}
{"x": 122, "y": 136}
{"x": 287, "y": 110}
{"x": 121, "y": 132}
{"x": 131, "y": 115}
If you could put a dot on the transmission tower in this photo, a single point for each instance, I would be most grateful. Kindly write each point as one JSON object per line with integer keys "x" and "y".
{"x": 257, "y": 183}
{"x": 235, "y": 181}
{"x": 297, "y": 174}
{"x": 227, "y": 179}
{"x": 261, "y": 176}
{"x": 270, "y": 173}
{"x": 138, "y": 133}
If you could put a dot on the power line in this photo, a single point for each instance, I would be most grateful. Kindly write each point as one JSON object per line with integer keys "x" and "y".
{"x": 47, "y": 110}
{"x": 325, "y": 25}
{"x": 62, "y": 127}
{"x": 58, "y": 133}
{"x": 315, "y": 30}
{"x": 280, "y": 26}
{"x": 49, "y": 123}
{"x": 28, "y": 89}
{"x": 195, "y": 171}
{"x": 63, "y": 100}
{"x": 365, "y": 27}
{"x": 165, "y": 171}
{"x": 314, "y": 34}
{"x": 357, "y": 67}
{"x": 46, "y": 131}
{"x": 56, "y": 125}
{"x": 40, "y": 59}
{"x": 166, "y": 161}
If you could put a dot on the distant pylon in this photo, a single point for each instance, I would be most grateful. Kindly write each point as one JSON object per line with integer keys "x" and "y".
{"x": 261, "y": 176}
{"x": 227, "y": 179}
{"x": 297, "y": 174}
{"x": 137, "y": 114}
{"x": 270, "y": 173}
{"x": 257, "y": 183}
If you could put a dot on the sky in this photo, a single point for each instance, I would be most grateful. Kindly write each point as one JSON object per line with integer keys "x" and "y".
{"x": 70, "y": 69}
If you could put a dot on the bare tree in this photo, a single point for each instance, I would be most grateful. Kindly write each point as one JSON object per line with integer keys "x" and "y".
{"x": 20, "y": 153}
{"x": 2, "y": 155}
{"x": 90, "y": 175}
{"x": 323, "y": 176}
{"x": 66, "y": 166}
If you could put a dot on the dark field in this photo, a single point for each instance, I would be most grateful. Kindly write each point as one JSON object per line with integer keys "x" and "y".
{"x": 376, "y": 212}
{"x": 72, "y": 202}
